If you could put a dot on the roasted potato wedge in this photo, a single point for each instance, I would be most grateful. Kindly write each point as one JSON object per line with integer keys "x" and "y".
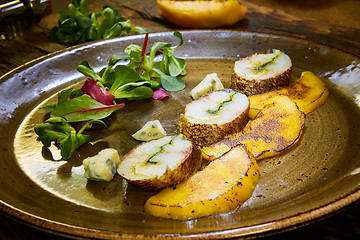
{"x": 274, "y": 130}
{"x": 308, "y": 92}
{"x": 159, "y": 163}
{"x": 220, "y": 187}
{"x": 213, "y": 116}
{"x": 261, "y": 72}
{"x": 201, "y": 14}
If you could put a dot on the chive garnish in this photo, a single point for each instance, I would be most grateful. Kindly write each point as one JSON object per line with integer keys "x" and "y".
{"x": 262, "y": 66}
{"x": 221, "y": 105}
{"x": 158, "y": 152}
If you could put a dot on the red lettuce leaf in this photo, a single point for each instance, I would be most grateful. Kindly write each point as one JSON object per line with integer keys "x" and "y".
{"x": 160, "y": 94}
{"x": 96, "y": 92}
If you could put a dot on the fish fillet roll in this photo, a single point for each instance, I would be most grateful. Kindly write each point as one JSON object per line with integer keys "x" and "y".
{"x": 261, "y": 73}
{"x": 213, "y": 116}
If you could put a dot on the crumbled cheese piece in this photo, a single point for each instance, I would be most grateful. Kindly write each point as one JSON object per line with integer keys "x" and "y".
{"x": 150, "y": 131}
{"x": 102, "y": 167}
{"x": 209, "y": 84}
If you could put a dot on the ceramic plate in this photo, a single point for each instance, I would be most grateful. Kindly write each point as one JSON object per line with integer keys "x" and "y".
{"x": 318, "y": 177}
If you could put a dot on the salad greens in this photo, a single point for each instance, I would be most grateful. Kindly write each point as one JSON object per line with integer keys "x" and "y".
{"x": 141, "y": 78}
{"x": 80, "y": 109}
{"x": 141, "y": 75}
{"x": 83, "y": 108}
{"x": 77, "y": 25}
{"x": 57, "y": 129}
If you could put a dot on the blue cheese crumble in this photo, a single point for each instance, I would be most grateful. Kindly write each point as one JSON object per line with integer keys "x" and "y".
{"x": 102, "y": 167}
{"x": 150, "y": 131}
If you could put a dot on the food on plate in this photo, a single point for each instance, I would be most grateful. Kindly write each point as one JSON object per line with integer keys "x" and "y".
{"x": 201, "y": 13}
{"x": 308, "y": 92}
{"x": 210, "y": 83}
{"x": 212, "y": 117}
{"x": 102, "y": 166}
{"x": 78, "y": 109}
{"x": 140, "y": 76}
{"x": 261, "y": 72}
{"x": 220, "y": 187}
{"x": 276, "y": 129}
{"x": 160, "y": 163}
{"x": 69, "y": 118}
{"x": 150, "y": 131}
{"x": 216, "y": 120}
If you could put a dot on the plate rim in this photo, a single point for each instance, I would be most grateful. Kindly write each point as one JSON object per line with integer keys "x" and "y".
{"x": 98, "y": 42}
{"x": 262, "y": 229}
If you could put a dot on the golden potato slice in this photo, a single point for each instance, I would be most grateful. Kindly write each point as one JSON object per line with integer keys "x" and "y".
{"x": 220, "y": 187}
{"x": 308, "y": 92}
{"x": 201, "y": 14}
{"x": 274, "y": 130}
{"x": 159, "y": 163}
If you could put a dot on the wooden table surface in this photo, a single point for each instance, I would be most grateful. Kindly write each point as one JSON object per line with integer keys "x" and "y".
{"x": 332, "y": 22}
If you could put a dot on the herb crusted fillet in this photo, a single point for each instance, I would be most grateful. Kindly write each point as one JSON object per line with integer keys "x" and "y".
{"x": 260, "y": 73}
{"x": 159, "y": 163}
{"x": 210, "y": 118}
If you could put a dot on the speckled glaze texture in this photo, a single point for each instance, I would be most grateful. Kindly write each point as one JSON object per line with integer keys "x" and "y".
{"x": 317, "y": 178}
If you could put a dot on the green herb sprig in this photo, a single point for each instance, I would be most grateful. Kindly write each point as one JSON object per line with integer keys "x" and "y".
{"x": 77, "y": 25}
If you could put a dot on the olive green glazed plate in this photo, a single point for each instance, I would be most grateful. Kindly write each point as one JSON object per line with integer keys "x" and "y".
{"x": 318, "y": 177}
